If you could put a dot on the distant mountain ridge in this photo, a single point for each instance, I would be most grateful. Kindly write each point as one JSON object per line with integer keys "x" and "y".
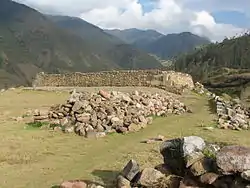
{"x": 135, "y": 36}
{"x": 164, "y": 46}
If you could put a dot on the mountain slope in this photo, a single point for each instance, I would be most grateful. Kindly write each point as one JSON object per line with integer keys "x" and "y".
{"x": 172, "y": 45}
{"x": 30, "y": 42}
{"x": 164, "y": 46}
{"x": 125, "y": 55}
{"x": 91, "y": 34}
{"x": 211, "y": 61}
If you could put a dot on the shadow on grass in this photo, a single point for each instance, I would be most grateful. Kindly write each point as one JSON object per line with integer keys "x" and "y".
{"x": 108, "y": 177}
{"x": 212, "y": 106}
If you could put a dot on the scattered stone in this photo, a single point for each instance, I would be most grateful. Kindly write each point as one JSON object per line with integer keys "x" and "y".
{"x": 160, "y": 138}
{"x": 122, "y": 182}
{"x": 130, "y": 170}
{"x": 149, "y": 177}
{"x": 201, "y": 167}
{"x": 208, "y": 128}
{"x": 105, "y": 94}
{"x": 208, "y": 178}
{"x": 246, "y": 175}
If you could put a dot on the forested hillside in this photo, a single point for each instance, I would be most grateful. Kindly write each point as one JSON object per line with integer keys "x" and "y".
{"x": 209, "y": 61}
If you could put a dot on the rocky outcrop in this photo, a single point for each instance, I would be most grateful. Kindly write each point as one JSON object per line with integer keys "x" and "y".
{"x": 96, "y": 114}
{"x": 188, "y": 165}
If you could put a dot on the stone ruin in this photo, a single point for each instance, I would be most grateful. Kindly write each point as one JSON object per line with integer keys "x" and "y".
{"x": 175, "y": 82}
{"x": 96, "y": 114}
{"x": 232, "y": 114}
{"x": 189, "y": 162}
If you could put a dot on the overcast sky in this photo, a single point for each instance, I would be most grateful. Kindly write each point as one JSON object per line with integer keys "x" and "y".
{"x": 212, "y": 18}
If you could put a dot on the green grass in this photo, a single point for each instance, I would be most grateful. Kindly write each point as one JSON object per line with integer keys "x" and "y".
{"x": 44, "y": 158}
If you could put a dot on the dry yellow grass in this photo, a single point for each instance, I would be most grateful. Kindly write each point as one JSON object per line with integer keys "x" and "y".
{"x": 34, "y": 158}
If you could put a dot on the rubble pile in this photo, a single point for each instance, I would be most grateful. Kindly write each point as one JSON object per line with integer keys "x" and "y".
{"x": 95, "y": 114}
{"x": 232, "y": 114}
{"x": 190, "y": 162}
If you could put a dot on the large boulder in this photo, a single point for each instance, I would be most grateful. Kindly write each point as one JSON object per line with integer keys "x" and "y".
{"x": 233, "y": 159}
{"x": 176, "y": 152}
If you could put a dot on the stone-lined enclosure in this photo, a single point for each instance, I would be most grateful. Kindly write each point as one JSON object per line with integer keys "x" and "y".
{"x": 148, "y": 78}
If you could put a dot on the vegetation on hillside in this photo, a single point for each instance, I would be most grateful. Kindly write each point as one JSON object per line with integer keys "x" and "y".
{"x": 217, "y": 59}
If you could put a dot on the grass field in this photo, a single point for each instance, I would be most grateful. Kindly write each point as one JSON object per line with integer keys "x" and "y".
{"x": 34, "y": 158}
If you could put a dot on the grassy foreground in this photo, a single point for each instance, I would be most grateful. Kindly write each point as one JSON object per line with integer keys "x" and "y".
{"x": 40, "y": 158}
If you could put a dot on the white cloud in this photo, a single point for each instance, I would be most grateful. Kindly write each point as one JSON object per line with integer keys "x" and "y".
{"x": 166, "y": 15}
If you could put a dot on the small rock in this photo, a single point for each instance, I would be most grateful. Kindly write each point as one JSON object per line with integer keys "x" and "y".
{"x": 149, "y": 120}
{"x": 73, "y": 184}
{"x": 194, "y": 157}
{"x": 201, "y": 167}
{"x": 104, "y": 94}
{"x": 77, "y": 106}
{"x": 100, "y": 134}
{"x": 123, "y": 182}
{"x": 130, "y": 170}
{"x": 64, "y": 122}
{"x": 38, "y": 118}
{"x": 134, "y": 127}
{"x": 149, "y": 177}
{"x": 208, "y": 128}
{"x": 208, "y": 178}
{"x": 69, "y": 129}
{"x": 246, "y": 175}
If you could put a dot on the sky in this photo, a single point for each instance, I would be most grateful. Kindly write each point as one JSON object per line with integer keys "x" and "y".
{"x": 215, "y": 19}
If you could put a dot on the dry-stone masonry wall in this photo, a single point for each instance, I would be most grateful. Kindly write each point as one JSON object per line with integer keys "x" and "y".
{"x": 95, "y": 114}
{"x": 151, "y": 78}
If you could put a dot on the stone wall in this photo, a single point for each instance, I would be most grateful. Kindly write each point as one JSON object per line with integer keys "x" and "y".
{"x": 148, "y": 78}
